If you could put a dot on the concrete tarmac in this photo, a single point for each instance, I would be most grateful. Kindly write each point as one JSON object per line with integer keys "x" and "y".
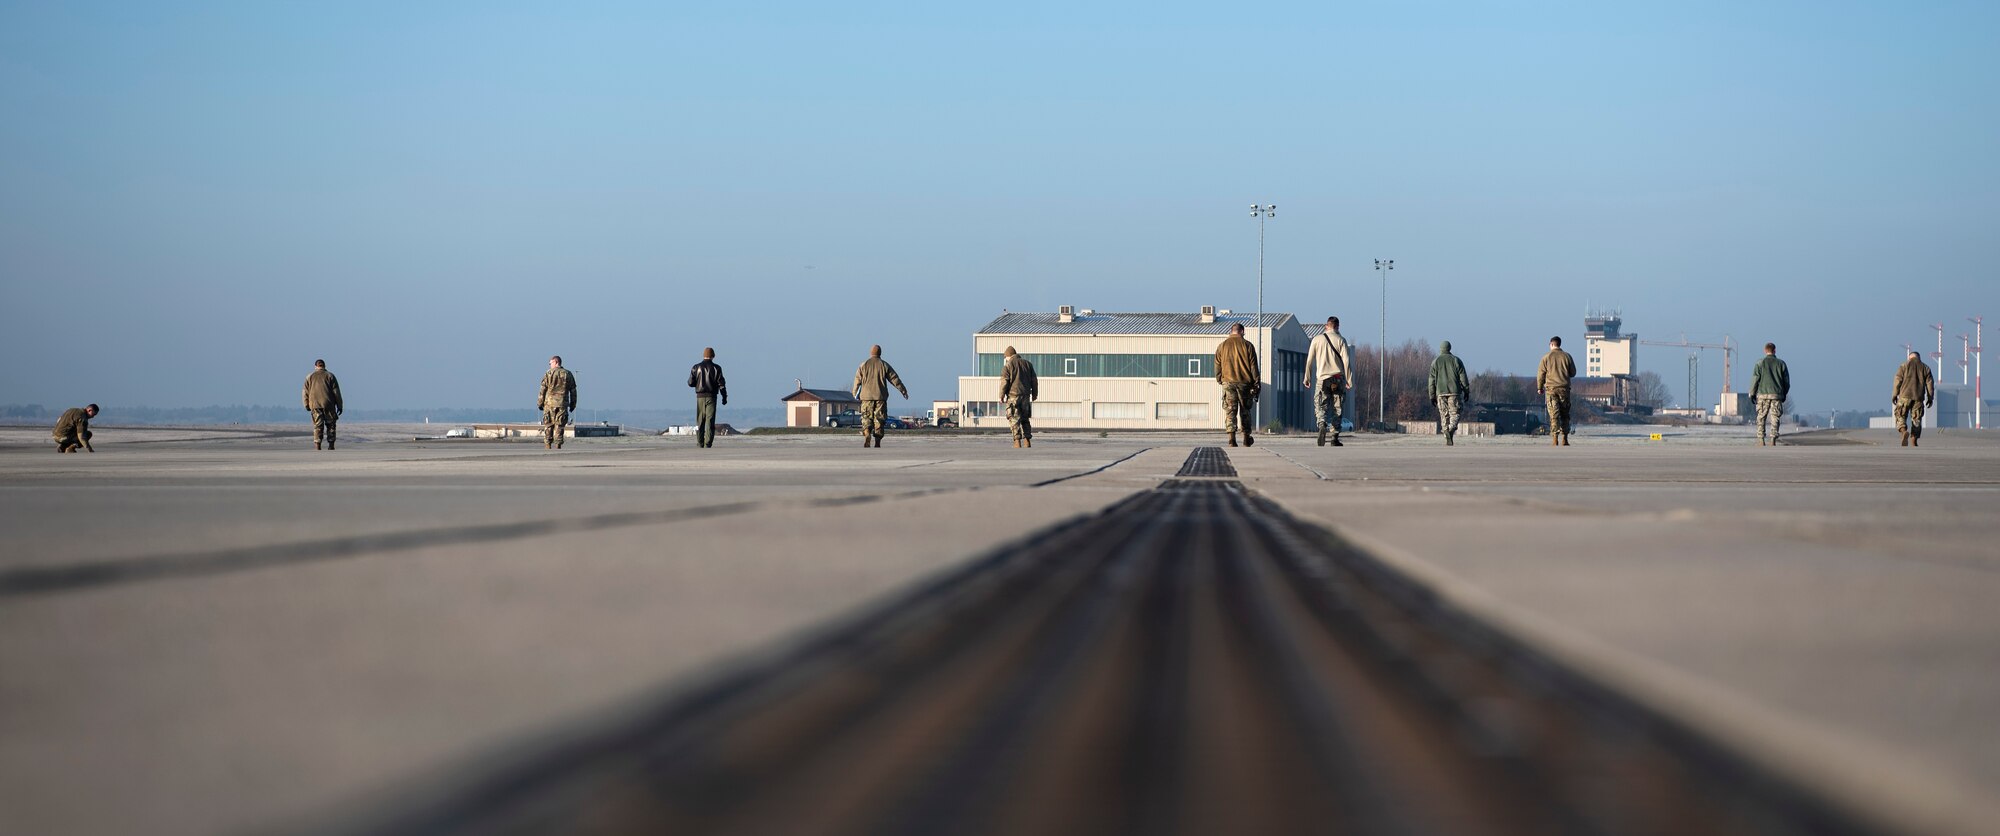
{"x": 215, "y": 632}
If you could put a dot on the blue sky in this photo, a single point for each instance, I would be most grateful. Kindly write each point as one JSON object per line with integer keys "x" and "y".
{"x": 196, "y": 200}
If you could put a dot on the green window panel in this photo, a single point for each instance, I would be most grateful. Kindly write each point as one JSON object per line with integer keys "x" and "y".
{"x": 1107, "y": 365}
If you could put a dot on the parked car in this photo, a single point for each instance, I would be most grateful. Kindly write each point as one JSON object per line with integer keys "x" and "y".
{"x": 458, "y": 432}
{"x": 852, "y": 418}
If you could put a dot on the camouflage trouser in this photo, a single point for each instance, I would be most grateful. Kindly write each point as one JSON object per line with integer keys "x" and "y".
{"x": 1769, "y": 410}
{"x": 1237, "y": 401}
{"x": 323, "y": 422}
{"x": 1558, "y": 401}
{"x": 1019, "y": 410}
{"x": 1448, "y": 414}
{"x": 553, "y": 421}
{"x": 874, "y": 414}
{"x": 1910, "y": 416}
{"x": 65, "y": 442}
{"x": 1327, "y": 398}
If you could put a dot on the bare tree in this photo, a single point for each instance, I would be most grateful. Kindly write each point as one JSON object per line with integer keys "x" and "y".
{"x": 1408, "y": 381}
{"x": 1493, "y": 387}
{"x": 1649, "y": 390}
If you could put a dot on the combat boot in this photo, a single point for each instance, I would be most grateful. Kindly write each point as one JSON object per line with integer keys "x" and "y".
{"x": 867, "y": 439}
{"x": 1913, "y": 440}
{"x": 1555, "y": 439}
{"x": 878, "y": 440}
{"x": 1565, "y": 439}
{"x": 1322, "y": 435}
{"x": 329, "y": 444}
{"x": 1027, "y": 442}
{"x": 1017, "y": 444}
{"x": 1336, "y": 440}
{"x": 1247, "y": 440}
{"x": 1447, "y": 437}
{"x": 316, "y": 444}
{"x": 1232, "y": 439}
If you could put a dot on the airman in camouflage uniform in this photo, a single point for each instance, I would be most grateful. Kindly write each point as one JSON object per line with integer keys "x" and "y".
{"x": 1328, "y": 362}
{"x": 557, "y": 398}
{"x": 1771, "y": 385}
{"x": 322, "y": 399}
{"x": 72, "y": 430}
{"x": 1552, "y": 382}
{"x": 871, "y": 387}
{"x": 1449, "y": 389}
{"x": 1019, "y": 389}
{"x": 1913, "y": 390}
{"x": 1236, "y": 369}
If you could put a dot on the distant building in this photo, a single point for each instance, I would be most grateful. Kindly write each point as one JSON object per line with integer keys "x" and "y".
{"x": 597, "y": 430}
{"x": 1610, "y": 362}
{"x": 1608, "y": 353}
{"x": 811, "y": 407}
{"x": 1134, "y": 370}
{"x": 1953, "y": 409}
{"x": 691, "y": 429}
{"x": 943, "y": 414}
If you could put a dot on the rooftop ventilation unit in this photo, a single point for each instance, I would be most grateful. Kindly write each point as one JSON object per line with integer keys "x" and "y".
{"x": 1066, "y": 314}
{"x": 1207, "y": 314}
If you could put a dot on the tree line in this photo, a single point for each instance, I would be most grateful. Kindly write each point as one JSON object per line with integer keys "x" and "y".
{"x": 1408, "y": 376}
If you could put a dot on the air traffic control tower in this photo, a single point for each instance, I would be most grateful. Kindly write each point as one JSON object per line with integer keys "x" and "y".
{"x": 1610, "y": 354}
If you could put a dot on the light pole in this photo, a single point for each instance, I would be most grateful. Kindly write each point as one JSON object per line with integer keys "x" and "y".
{"x": 1939, "y": 354}
{"x": 1382, "y": 268}
{"x": 1978, "y": 367}
{"x": 1261, "y": 212}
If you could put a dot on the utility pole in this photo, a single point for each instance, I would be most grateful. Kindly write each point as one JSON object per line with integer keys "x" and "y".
{"x": 1694, "y": 375}
{"x": 1261, "y": 212}
{"x": 1938, "y": 355}
{"x": 1382, "y": 268}
{"x": 1978, "y": 398}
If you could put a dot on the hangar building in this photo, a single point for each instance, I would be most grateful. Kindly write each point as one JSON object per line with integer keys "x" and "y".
{"x": 1134, "y": 370}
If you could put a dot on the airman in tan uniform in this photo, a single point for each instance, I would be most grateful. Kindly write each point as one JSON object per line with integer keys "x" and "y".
{"x": 1019, "y": 389}
{"x": 72, "y": 431}
{"x": 871, "y": 387}
{"x": 1236, "y": 369}
{"x": 322, "y": 399}
{"x": 557, "y": 398}
{"x": 1913, "y": 390}
{"x": 1552, "y": 383}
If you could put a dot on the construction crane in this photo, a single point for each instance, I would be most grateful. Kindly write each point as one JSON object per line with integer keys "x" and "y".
{"x": 1729, "y": 361}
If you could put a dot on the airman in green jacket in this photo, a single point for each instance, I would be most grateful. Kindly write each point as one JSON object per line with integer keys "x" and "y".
{"x": 1771, "y": 384}
{"x": 1448, "y": 389}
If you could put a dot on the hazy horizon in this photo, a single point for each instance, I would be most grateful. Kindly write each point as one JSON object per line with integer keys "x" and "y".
{"x": 435, "y": 198}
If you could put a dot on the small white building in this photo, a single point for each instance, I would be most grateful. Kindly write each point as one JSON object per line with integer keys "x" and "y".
{"x": 1134, "y": 370}
{"x": 811, "y": 407}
